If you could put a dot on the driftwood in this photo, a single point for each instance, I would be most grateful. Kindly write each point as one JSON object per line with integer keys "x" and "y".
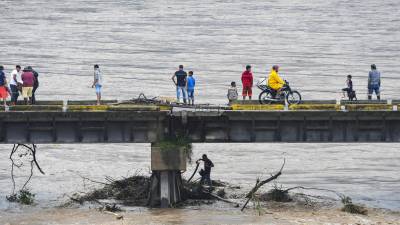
{"x": 259, "y": 184}
{"x": 222, "y": 199}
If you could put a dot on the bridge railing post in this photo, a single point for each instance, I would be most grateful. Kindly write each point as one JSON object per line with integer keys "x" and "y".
{"x": 65, "y": 105}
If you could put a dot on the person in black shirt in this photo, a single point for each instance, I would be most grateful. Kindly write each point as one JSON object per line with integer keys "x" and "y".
{"x": 205, "y": 174}
{"x": 180, "y": 83}
{"x": 35, "y": 84}
{"x": 349, "y": 88}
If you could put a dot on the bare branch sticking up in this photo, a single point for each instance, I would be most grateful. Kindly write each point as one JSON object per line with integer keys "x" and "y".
{"x": 259, "y": 184}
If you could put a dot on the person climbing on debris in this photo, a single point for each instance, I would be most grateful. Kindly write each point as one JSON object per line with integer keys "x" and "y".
{"x": 206, "y": 172}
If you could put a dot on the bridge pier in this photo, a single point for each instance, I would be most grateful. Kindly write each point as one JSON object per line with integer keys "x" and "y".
{"x": 166, "y": 184}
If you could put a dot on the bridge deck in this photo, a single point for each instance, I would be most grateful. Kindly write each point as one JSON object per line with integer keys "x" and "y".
{"x": 127, "y": 123}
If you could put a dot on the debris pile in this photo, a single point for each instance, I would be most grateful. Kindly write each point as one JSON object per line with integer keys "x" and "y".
{"x": 131, "y": 191}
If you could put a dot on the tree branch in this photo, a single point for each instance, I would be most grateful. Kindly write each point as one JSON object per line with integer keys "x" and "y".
{"x": 259, "y": 184}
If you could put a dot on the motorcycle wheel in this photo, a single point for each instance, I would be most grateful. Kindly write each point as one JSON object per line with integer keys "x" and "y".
{"x": 293, "y": 98}
{"x": 265, "y": 97}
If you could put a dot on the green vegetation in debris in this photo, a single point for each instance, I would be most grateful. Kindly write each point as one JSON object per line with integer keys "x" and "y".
{"x": 176, "y": 143}
{"x": 350, "y": 207}
{"x": 24, "y": 197}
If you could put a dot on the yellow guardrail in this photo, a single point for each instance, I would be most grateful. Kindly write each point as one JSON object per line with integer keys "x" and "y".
{"x": 328, "y": 107}
{"x": 79, "y": 108}
{"x": 257, "y": 107}
{"x": 85, "y": 108}
{"x": 235, "y": 107}
{"x": 369, "y": 107}
{"x": 317, "y": 107}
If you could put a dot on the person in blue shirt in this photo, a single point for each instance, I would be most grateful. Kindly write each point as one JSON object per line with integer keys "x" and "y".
{"x": 191, "y": 82}
{"x": 374, "y": 82}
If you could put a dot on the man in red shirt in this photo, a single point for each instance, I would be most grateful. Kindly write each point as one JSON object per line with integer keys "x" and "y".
{"x": 247, "y": 81}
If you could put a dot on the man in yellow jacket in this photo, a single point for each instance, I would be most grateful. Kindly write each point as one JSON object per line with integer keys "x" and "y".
{"x": 274, "y": 80}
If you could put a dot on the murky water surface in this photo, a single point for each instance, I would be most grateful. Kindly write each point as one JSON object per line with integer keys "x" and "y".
{"x": 139, "y": 44}
{"x": 366, "y": 172}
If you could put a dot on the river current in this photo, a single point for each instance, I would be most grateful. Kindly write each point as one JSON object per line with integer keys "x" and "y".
{"x": 139, "y": 44}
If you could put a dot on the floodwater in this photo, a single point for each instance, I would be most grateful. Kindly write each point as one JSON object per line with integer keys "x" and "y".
{"x": 139, "y": 44}
{"x": 366, "y": 172}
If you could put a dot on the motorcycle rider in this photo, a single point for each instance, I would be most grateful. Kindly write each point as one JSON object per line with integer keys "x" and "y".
{"x": 275, "y": 82}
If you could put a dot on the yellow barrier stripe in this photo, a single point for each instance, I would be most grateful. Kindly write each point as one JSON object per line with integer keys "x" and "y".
{"x": 256, "y": 107}
{"x": 328, "y": 107}
{"x": 331, "y": 107}
{"x": 368, "y": 107}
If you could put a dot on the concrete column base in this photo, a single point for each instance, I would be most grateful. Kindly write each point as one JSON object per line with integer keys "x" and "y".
{"x": 165, "y": 188}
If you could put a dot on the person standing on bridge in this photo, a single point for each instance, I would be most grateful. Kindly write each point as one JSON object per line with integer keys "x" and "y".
{"x": 180, "y": 83}
{"x": 28, "y": 80}
{"x": 15, "y": 84}
{"x": 374, "y": 82}
{"x": 35, "y": 85}
{"x": 3, "y": 86}
{"x": 97, "y": 82}
{"x": 247, "y": 82}
{"x": 191, "y": 83}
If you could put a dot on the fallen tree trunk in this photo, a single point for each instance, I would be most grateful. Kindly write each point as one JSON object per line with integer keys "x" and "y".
{"x": 259, "y": 184}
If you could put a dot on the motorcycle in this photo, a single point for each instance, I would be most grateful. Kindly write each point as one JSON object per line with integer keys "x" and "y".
{"x": 269, "y": 95}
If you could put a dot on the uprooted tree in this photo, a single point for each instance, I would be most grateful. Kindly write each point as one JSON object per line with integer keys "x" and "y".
{"x": 18, "y": 153}
{"x": 259, "y": 184}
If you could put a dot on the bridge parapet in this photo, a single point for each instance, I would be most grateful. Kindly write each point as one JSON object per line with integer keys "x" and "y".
{"x": 142, "y": 124}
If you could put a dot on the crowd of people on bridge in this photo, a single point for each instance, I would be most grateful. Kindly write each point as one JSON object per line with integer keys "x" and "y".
{"x": 23, "y": 82}
{"x": 185, "y": 84}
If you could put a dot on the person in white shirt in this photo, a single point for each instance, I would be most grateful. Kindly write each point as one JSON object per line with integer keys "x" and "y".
{"x": 97, "y": 83}
{"x": 15, "y": 84}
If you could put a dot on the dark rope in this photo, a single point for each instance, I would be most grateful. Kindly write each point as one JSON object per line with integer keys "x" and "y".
{"x": 197, "y": 167}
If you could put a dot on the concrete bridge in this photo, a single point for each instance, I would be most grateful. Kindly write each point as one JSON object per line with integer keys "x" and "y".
{"x": 54, "y": 122}
{"x": 83, "y": 122}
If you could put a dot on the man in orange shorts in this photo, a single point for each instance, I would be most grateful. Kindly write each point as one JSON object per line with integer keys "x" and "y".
{"x": 3, "y": 86}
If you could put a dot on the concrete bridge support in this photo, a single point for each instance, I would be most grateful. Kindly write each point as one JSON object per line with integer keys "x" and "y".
{"x": 166, "y": 184}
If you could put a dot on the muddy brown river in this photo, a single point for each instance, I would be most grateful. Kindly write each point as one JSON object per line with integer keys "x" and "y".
{"x": 139, "y": 44}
